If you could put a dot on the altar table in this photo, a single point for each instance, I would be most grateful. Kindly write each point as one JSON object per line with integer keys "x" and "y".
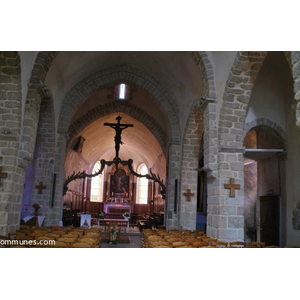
{"x": 39, "y": 221}
{"x": 116, "y": 221}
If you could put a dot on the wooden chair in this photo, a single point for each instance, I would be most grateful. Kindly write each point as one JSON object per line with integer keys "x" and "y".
{"x": 199, "y": 232}
{"x": 185, "y": 231}
{"x": 53, "y": 235}
{"x": 152, "y": 239}
{"x": 71, "y": 235}
{"x": 16, "y": 235}
{"x": 58, "y": 232}
{"x": 219, "y": 244}
{"x": 209, "y": 240}
{"x": 172, "y": 240}
{"x": 190, "y": 241}
{"x": 200, "y": 244}
{"x": 257, "y": 244}
{"x": 90, "y": 241}
{"x": 158, "y": 243}
{"x": 59, "y": 244}
{"x": 237, "y": 244}
{"x": 174, "y": 231}
{"x": 81, "y": 245}
{"x": 68, "y": 241}
{"x": 179, "y": 244}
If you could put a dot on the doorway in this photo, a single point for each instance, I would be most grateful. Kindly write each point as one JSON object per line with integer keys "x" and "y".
{"x": 270, "y": 220}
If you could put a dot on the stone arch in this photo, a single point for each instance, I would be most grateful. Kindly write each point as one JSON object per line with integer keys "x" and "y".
{"x": 236, "y": 97}
{"x": 100, "y": 80}
{"x": 124, "y": 107}
{"x": 225, "y": 219}
{"x": 206, "y": 69}
{"x": 265, "y": 123}
{"x": 36, "y": 91}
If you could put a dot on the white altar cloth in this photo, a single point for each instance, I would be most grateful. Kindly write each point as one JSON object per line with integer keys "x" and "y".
{"x": 125, "y": 220}
{"x": 40, "y": 219}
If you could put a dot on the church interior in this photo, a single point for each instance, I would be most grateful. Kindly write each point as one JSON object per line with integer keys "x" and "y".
{"x": 201, "y": 143}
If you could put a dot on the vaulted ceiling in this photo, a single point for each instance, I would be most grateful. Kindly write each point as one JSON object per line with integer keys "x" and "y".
{"x": 176, "y": 71}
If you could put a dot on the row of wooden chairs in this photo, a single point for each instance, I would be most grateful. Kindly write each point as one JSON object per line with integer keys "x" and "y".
{"x": 161, "y": 238}
{"x": 57, "y": 237}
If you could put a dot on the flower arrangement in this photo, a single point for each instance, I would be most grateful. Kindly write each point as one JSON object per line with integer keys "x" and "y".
{"x": 114, "y": 230}
{"x": 36, "y": 206}
{"x": 101, "y": 215}
{"x": 126, "y": 215}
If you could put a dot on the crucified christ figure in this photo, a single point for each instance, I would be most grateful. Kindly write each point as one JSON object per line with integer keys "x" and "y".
{"x": 118, "y": 128}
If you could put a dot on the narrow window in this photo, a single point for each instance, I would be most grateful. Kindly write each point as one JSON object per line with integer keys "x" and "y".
{"x": 122, "y": 92}
{"x": 142, "y": 185}
{"x": 97, "y": 185}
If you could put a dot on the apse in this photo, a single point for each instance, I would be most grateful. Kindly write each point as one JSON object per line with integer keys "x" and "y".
{"x": 139, "y": 144}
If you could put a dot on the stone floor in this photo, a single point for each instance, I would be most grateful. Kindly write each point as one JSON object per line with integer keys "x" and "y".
{"x": 134, "y": 241}
{"x": 134, "y": 236}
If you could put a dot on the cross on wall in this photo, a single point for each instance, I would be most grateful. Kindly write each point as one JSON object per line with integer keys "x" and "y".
{"x": 232, "y": 186}
{"x": 40, "y": 187}
{"x": 189, "y": 194}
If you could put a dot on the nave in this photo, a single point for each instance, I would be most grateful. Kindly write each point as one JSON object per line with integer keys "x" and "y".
{"x": 97, "y": 237}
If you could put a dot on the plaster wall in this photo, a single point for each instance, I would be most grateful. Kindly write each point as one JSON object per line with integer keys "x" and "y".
{"x": 222, "y": 62}
{"x": 27, "y": 62}
{"x": 268, "y": 96}
{"x": 290, "y": 186}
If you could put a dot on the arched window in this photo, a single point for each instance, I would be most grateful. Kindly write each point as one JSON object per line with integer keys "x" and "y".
{"x": 142, "y": 185}
{"x": 97, "y": 185}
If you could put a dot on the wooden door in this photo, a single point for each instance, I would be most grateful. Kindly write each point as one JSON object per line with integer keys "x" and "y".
{"x": 270, "y": 220}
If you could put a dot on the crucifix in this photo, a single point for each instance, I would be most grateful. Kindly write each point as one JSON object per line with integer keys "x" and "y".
{"x": 2, "y": 175}
{"x": 118, "y": 127}
{"x": 189, "y": 194}
{"x": 232, "y": 186}
{"x": 40, "y": 187}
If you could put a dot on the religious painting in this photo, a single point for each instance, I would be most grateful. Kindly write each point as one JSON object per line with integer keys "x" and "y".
{"x": 85, "y": 221}
{"x": 119, "y": 183}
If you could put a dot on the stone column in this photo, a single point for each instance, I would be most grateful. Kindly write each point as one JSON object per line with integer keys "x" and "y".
{"x": 225, "y": 214}
{"x": 44, "y": 158}
{"x": 11, "y": 187}
{"x": 189, "y": 174}
{"x": 173, "y": 173}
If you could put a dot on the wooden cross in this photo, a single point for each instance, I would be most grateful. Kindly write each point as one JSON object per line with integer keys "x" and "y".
{"x": 2, "y": 175}
{"x": 232, "y": 186}
{"x": 40, "y": 187}
{"x": 189, "y": 194}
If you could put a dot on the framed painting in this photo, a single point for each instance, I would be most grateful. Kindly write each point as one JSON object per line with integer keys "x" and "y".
{"x": 119, "y": 183}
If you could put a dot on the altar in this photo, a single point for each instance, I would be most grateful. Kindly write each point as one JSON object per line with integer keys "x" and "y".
{"x": 117, "y": 208}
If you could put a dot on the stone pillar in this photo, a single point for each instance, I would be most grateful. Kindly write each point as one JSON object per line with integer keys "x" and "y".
{"x": 189, "y": 174}
{"x": 59, "y": 170}
{"x": 173, "y": 173}
{"x": 211, "y": 163}
{"x": 44, "y": 158}
{"x": 11, "y": 187}
{"x": 225, "y": 219}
